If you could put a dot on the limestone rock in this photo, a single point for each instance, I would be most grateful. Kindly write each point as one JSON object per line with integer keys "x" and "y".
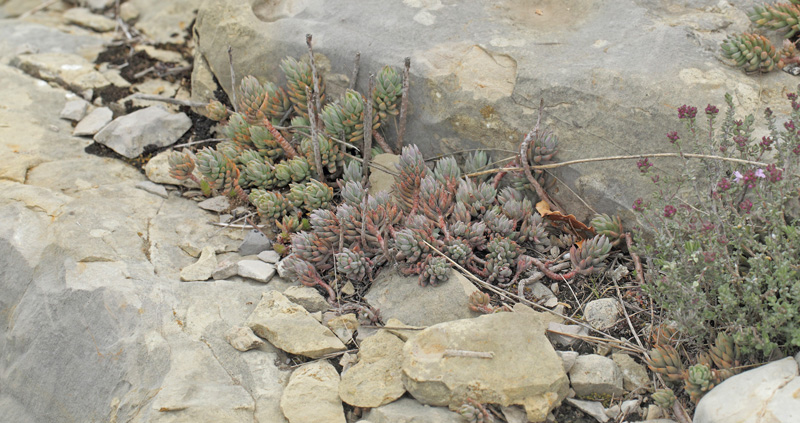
{"x": 406, "y": 410}
{"x": 254, "y": 243}
{"x": 761, "y": 395}
{"x": 594, "y": 374}
{"x": 312, "y": 395}
{"x": 225, "y": 270}
{"x": 377, "y": 378}
{"x": 203, "y": 268}
{"x": 404, "y": 334}
{"x": 242, "y": 338}
{"x": 165, "y": 22}
{"x": 343, "y": 326}
{"x": 634, "y": 375}
{"x": 603, "y": 313}
{"x": 592, "y": 408}
{"x": 93, "y": 122}
{"x": 128, "y": 135}
{"x": 68, "y": 70}
{"x": 543, "y": 295}
{"x": 269, "y": 256}
{"x": 153, "y": 188}
{"x": 128, "y": 12}
{"x": 401, "y": 297}
{"x": 216, "y": 204}
{"x": 256, "y": 270}
{"x": 85, "y": 18}
{"x": 74, "y": 110}
{"x": 564, "y": 340}
{"x": 291, "y": 328}
{"x": 524, "y": 370}
{"x": 568, "y": 359}
{"x": 157, "y": 170}
{"x": 380, "y": 180}
{"x": 307, "y": 297}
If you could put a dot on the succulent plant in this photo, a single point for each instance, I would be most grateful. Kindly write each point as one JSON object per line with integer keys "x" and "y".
{"x": 309, "y": 247}
{"x": 412, "y": 170}
{"x": 215, "y": 110}
{"x": 753, "y": 52}
{"x": 299, "y": 76}
{"x": 435, "y": 200}
{"x": 480, "y": 302}
{"x": 477, "y": 198}
{"x": 271, "y": 205}
{"x": 664, "y": 359}
{"x": 352, "y": 114}
{"x": 461, "y": 213}
{"x": 219, "y": 170}
{"x": 295, "y": 170}
{"x": 387, "y": 92}
{"x": 458, "y": 250}
{"x": 352, "y": 172}
{"x": 290, "y": 224}
{"x": 260, "y": 174}
{"x": 325, "y": 225}
{"x": 475, "y": 162}
{"x": 447, "y": 172}
{"x": 408, "y": 246}
{"x": 473, "y": 233}
{"x": 311, "y": 195}
{"x": 238, "y": 131}
{"x": 181, "y": 165}
{"x": 265, "y": 144}
{"x": 332, "y": 157}
{"x": 699, "y": 380}
{"x": 500, "y": 225}
{"x": 779, "y": 16}
{"x": 259, "y": 101}
{"x": 532, "y": 229}
{"x": 435, "y": 271}
{"x": 352, "y": 264}
{"x": 725, "y": 353}
{"x": 664, "y": 398}
{"x": 473, "y": 412}
{"x": 503, "y": 253}
{"x": 590, "y": 255}
{"x": 611, "y": 227}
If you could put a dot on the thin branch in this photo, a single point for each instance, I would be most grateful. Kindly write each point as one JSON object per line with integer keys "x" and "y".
{"x": 382, "y": 168}
{"x": 169, "y": 100}
{"x": 401, "y": 126}
{"x": 230, "y": 225}
{"x": 367, "y": 149}
{"x": 642, "y": 156}
{"x": 312, "y": 117}
{"x": 637, "y": 264}
{"x": 382, "y": 142}
{"x": 198, "y": 142}
{"x": 314, "y": 77}
{"x": 233, "y": 79}
{"x": 627, "y": 317}
{"x": 354, "y": 74}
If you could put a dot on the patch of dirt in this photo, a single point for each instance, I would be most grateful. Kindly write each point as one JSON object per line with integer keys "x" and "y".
{"x": 100, "y": 150}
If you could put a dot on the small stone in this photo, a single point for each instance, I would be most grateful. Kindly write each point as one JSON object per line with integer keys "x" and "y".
{"x": 514, "y": 414}
{"x": 654, "y": 412}
{"x": 242, "y": 338}
{"x": 613, "y": 411}
{"x": 567, "y": 359}
{"x": 269, "y": 256}
{"x": 256, "y": 270}
{"x": 312, "y": 395}
{"x": 128, "y": 135}
{"x": 344, "y": 326}
{"x": 254, "y": 243}
{"x": 602, "y": 314}
{"x": 282, "y": 269}
{"x": 630, "y": 407}
{"x": 307, "y": 297}
{"x": 93, "y": 122}
{"x": 152, "y": 188}
{"x": 377, "y": 378}
{"x": 202, "y": 269}
{"x": 407, "y": 410}
{"x": 74, "y": 110}
{"x": 348, "y": 289}
{"x": 592, "y": 408}
{"x": 564, "y": 340}
{"x": 191, "y": 248}
{"x": 85, "y": 18}
{"x": 217, "y": 204}
{"x": 317, "y": 315}
{"x": 543, "y": 295}
{"x": 634, "y": 375}
{"x": 128, "y": 12}
{"x": 596, "y": 375}
{"x": 289, "y": 327}
{"x": 225, "y": 270}
{"x": 225, "y": 218}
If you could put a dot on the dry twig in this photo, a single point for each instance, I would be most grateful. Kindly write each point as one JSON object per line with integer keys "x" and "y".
{"x": 401, "y": 126}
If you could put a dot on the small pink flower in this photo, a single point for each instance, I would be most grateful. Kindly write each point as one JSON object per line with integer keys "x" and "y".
{"x": 738, "y": 176}
{"x": 760, "y": 173}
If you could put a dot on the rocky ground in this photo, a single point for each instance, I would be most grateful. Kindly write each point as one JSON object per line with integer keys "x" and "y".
{"x": 118, "y": 284}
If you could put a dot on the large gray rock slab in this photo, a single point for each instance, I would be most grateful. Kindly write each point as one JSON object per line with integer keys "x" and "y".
{"x": 19, "y": 36}
{"x": 523, "y": 369}
{"x": 764, "y": 394}
{"x": 128, "y": 135}
{"x": 291, "y": 328}
{"x": 406, "y": 410}
{"x": 401, "y": 297}
{"x": 479, "y": 69}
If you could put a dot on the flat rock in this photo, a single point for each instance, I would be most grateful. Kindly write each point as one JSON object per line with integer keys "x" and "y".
{"x": 634, "y": 375}
{"x": 602, "y": 314}
{"x": 92, "y": 123}
{"x": 203, "y": 268}
{"x": 765, "y": 394}
{"x": 128, "y": 135}
{"x": 592, "y": 408}
{"x": 17, "y": 36}
{"x": 269, "y": 256}
{"x": 68, "y": 70}
{"x": 564, "y": 340}
{"x": 74, "y": 110}
{"x": 242, "y": 338}
{"x": 157, "y": 170}
{"x": 406, "y": 410}
{"x": 256, "y": 270}
{"x": 401, "y": 297}
{"x": 543, "y": 295}
{"x": 85, "y": 18}
{"x": 291, "y": 328}
{"x": 225, "y": 270}
{"x": 377, "y": 377}
{"x": 524, "y": 369}
{"x": 217, "y": 204}
{"x": 312, "y": 395}
{"x": 593, "y": 374}
{"x": 309, "y": 298}
{"x": 254, "y": 243}
{"x": 128, "y": 12}
{"x": 343, "y": 326}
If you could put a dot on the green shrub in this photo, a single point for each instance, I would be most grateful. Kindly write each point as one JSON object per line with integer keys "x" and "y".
{"x": 726, "y": 244}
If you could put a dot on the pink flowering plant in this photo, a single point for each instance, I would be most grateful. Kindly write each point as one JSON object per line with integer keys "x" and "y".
{"x": 725, "y": 255}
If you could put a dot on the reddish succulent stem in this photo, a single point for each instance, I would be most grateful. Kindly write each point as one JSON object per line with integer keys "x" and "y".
{"x": 382, "y": 141}
{"x": 637, "y": 264}
{"x": 401, "y": 126}
{"x": 552, "y": 275}
{"x": 287, "y": 148}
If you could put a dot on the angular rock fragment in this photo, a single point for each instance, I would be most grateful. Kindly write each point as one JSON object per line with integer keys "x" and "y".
{"x": 128, "y": 135}
{"x": 595, "y": 375}
{"x": 243, "y": 338}
{"x": 312, "y": 395}
{"x": 377, "y": 378}
{"x": 202, "y": 269}
{"x": 256, "y": 270}
{"x": 307, "y": 297}
{"x": 93, "y": 122}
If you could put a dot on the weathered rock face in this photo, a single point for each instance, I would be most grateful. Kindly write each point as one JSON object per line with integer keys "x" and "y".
{"x": 376, "y": 379}
{"x": 479, "y": 69}
{"x": 312, "y": 395}
{"x": 524, "y": 368}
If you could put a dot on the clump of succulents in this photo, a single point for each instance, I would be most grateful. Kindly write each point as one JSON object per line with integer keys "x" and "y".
{"x": 752, "y": 52}
{"x": 273, "y": 166}
{"x": 756, "y": 53}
